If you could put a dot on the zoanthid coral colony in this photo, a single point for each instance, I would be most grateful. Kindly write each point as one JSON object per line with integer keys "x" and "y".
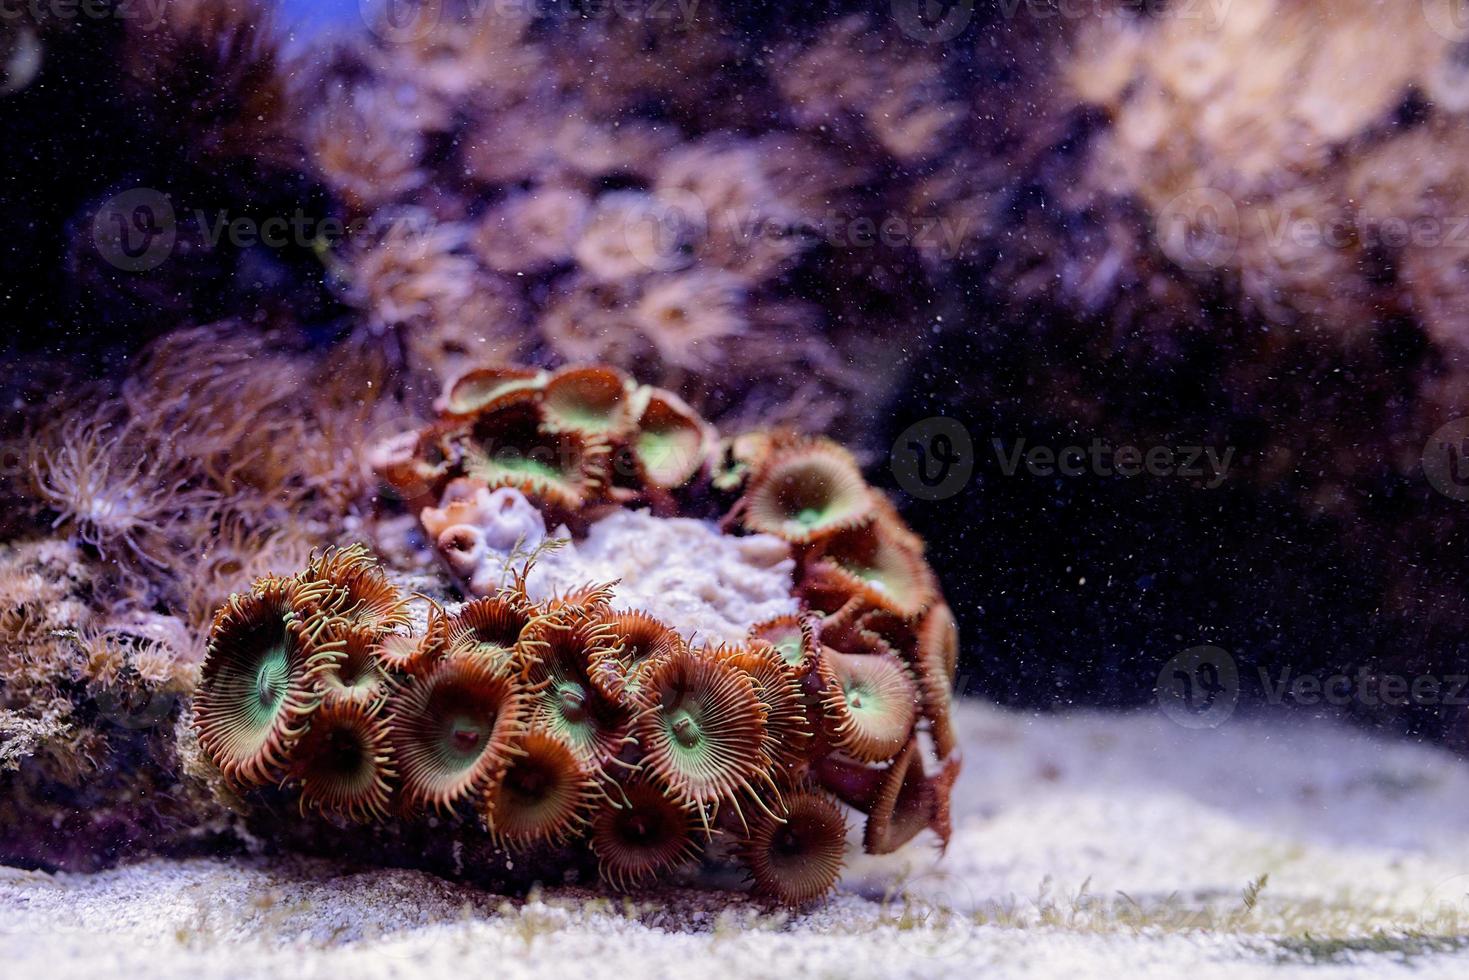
{"x": 563, "y": 722}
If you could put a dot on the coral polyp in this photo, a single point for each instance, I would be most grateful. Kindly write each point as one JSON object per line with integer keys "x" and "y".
{"x": 807, "y": 493}
{"x": 547, "y": 793}
{"x": 634, "y": 698}
{"x": 452, "y": 729}
{"x": 344, "y": 762}
{"x": 701, "y": 726}
{"x": 797, "y": 857}
{"x": 262, "y": 679}
{"x": 642, "y": 835}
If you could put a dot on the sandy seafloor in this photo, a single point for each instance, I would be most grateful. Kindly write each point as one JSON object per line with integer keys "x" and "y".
{"x": 1085, "y": 845}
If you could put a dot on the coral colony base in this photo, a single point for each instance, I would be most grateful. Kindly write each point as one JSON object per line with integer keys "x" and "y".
{"x": 805, "y": 662}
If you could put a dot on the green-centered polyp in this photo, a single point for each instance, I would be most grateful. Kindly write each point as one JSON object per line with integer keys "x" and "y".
{"x": 452, "y": 729}
{"x": 260, "y": 682}
{"x": 871, "y": 701}
{"x": 512, "y": 449}
{"x": 701, "y": 727}
{"x": 808, "y": 492}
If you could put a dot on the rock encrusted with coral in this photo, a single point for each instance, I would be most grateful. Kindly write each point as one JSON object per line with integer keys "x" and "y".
{"x": 569, "y": 716}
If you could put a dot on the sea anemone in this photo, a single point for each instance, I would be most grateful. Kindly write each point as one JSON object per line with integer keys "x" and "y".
{"x": 687, "y": 315}
{"x": 878, "y": 566}
{"x": 122, "y": 493}
{"x": 491, "y": 628}
{"x": 630, "y": 234}
{"x": 568, "y": 704}
{"x": 369, "y": 161}
{"x": 452, "y": 729}
{"x": 671, "y": 441}
{"x": 641, "y": 835}
{"x": 793, "y": 637}
{"x": 777, "y": 685}
{"x": 701, "y": 727}
{"x": 906, "y": 804}
{"x": 261, "y": 681}
{"x": 344, "y": 762}
{"x": 360, "y": 593}
{"x": 510, "y": 448}
{"x": 636, "y": 643}
{"x": 871, "y": 703}
{"x": 547, "y": 793}
{"x": 797, "y": 857}
{"x": 355, "y": 676}
{"x": 591, "y": 400}
{"x": 532, "y": 232}
{"x": 485, "y": 389}
{"x": 938, "y": 660}
{"x": 807, "y": 492}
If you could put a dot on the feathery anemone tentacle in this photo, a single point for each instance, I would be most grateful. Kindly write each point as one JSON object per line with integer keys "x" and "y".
{"x": 793, "y": 637}
{"x": 642, "y": 835}
{"x": 547, "y": 793}
{"x": 701, "y": 726}
{"x": 356, "y": 676}
{"x": 636, "y": 641}
{"x": 490, "y": 627}
{"x": 261, "y": 681}
{"x": 787, "y": 733}
{"x": 567, "y": 703}
{"x": 361, "y": 593}
{"x": 797, "y": 858}
{"x": 871, "y": 703}
{"x": 344, "y": 762}
{"x": 875, "y": 564}
{"x": 452, "y": 728}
